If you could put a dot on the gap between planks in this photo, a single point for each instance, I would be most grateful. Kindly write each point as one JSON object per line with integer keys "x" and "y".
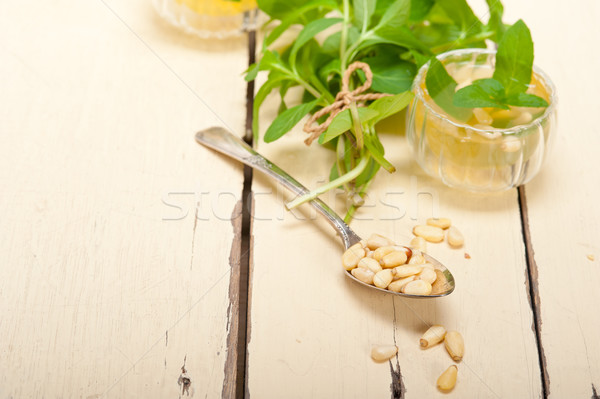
{"x": 245, "y": 246}
{"x": 531, "y": 279}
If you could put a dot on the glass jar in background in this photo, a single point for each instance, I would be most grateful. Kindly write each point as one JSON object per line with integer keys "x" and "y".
{"x": 477, "y": 157}
{"x": 209, "y": 18}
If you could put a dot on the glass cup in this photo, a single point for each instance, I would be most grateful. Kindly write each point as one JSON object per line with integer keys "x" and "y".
{"x": 476, "y": 157}
{"x": 209, "y": 19}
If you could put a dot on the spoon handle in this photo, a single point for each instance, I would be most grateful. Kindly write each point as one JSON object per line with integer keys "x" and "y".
{"x": 221, "y": 140}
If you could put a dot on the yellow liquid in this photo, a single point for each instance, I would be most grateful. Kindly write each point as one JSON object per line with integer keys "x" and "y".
{"x": 217, "y": 8}
{"x": 473, "y": 160}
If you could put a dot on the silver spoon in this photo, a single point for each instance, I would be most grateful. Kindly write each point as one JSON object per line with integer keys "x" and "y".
{"x": 226, "y": 143}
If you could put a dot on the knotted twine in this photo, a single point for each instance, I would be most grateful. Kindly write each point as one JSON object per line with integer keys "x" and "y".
{"x": 343, "y": 100}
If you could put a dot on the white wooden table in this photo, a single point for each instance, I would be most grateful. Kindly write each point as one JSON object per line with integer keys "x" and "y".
{"x": 128, "y": 271}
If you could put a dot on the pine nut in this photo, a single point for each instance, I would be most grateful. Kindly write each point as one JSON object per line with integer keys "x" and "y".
{"x": 455, "y": 345}
{"x": 352, "y": 255}
{"x": 381, "y": 353}
{"x": 429, "y": 233}
{"x": 428, "y": 275}
{"x": 417, "y": 259}
{"x": 419, "y": 243}
{"x": 404, "y": 249}
{"x": 364, "y": 275}
{"x": 447, "y": 380}
{"x": 398, "y": 285}
{"x": 434, "y": 335}
{"x": 394, "y": 259}
{"x": 442, "y": 223}
{"x": 383, "y": 278}
{"x": 380, "y": 252}
{"x": 482, "y": 116}
{"x": 407, "y": 270}
{"x": 376, "y": 241}
{"x": 370, "y": 264}
{"x": 510, "y": 145}
{"x": 417, "y": 287}
{"x": 455, "y": 237}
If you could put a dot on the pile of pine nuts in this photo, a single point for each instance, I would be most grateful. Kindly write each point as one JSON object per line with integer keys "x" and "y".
{"x": 379, "y": 262}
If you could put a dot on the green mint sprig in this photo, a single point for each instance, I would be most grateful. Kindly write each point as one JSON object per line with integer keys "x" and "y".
{"x": 507, "y": 87}
{"x": 395, "y": 37}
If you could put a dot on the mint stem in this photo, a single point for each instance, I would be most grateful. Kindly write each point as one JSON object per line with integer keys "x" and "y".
{"x": 340, "y": 181}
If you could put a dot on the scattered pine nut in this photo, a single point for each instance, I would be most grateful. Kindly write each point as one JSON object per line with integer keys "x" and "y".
{"x": 381, "y": 353}
{"x": 455, "y": 237}
{"x": 447, "y": 380}
{"x": 434, "y": 335}
{"x": 591, "y": 257}
{"x": 442, "y": 223}
{"x": 429, "y": 233}
{"x": 455, "y": 345}
{"x": 467, "y": 256}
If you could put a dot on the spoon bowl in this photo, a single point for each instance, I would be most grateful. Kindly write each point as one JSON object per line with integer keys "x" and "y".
{"x": 221, "y": 140}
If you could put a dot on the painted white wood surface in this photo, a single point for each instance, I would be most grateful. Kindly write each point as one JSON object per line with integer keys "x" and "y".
{"x": 564, "y": 218}
{"x": 311, "y": 328}
{"x": 100, "y": 296}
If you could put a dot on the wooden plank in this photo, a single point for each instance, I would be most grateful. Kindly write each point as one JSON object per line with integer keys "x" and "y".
{"x": 311, "y": 328}
{"x": 108, "y": 282}
{"x": 564, "y": 220}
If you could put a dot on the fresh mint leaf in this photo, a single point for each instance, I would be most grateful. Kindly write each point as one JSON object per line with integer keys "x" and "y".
{"x": 526, "y": 100}
{"x": 514, "y": 59}
{"x": 420, "y": 59}
{"x": 259, "y": 98}
{"x": 388, "y": 106}
{"x": 309, "y": 31}
{"x": 287, "y": 120}
{"x": 399, "y": 36}
{"x": 279, "y": 9}
{"x": 395, "y": 15}
{"x": 390, "y": 74}
{"x": 363, "y": 10}
{"x": 343, "y": 122}
{"x": 441, "y": 87}
{"x": 462, "y": 14}
{"x": 482, "y": 93}
{"x": 331, "y": 45}
{"x": 295, "y": 17}
{"x": 333, "y": 67}
{"x": 495, "y": 24}
{"x": 419, "y": 9}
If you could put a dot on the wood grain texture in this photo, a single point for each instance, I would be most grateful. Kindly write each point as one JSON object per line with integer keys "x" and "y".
{"x": 564, "y": 219}
{"x": 312, "y": 328}
{"x": 108, "y": 283}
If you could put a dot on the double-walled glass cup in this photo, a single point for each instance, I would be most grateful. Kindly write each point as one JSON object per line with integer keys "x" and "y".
{"x": 476, "y": 157}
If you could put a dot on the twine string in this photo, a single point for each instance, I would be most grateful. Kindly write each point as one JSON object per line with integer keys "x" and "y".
{"x": 343, "y": 100}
